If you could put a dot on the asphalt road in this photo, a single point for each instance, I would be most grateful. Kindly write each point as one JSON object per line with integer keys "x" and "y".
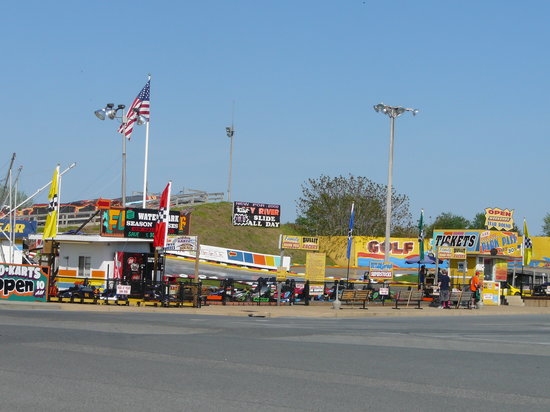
{"x": 135, "y": 361}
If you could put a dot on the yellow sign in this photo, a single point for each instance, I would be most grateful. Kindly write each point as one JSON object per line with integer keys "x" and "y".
{"x": 446, "y": 252}
{"x": 300, "y": 242}
{"x": 500, "y": 219}
{"x": 281, "y": 274}
{"x": 315, "y": 267}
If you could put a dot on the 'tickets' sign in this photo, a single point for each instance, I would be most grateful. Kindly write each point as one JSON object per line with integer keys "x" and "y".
{"x": 256, "y": 214}
{"x": 23, "y": 282}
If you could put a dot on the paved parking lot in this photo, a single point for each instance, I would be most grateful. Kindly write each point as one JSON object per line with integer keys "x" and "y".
{"x": 81, "y": 357}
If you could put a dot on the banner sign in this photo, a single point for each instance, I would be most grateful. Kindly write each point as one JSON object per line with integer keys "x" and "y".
{"x": 256, "y": 214}
{"x": 505, "y": 243}
{"x": 140, "y": 223}
{"x": 300, "y": 242}
{"x": 236, "y": 257}
{"x": 446, "y": 252}
{"x": 315, "y": 267}
{"x": 22, "y": 228}
{"x": 381, "y": 271}
{"x": 467, "y": 239}
{"x": 181, "y": 243}
{"x": 500, "y": 219}
{"x": 27, "y": 283}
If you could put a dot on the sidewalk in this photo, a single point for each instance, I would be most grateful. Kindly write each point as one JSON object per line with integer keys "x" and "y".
{"x": 323, "y": 310}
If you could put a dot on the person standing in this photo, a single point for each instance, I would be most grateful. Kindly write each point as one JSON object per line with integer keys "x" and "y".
{"x": 422, "y": 277}
{"x": 444, "y": 290}
{"x": 475, "y": 286}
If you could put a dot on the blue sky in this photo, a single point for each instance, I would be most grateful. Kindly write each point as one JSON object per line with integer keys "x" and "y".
{"x": 304, "y": 76}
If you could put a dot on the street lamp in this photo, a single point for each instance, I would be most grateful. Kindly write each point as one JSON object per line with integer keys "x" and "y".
{"x": 110, "y": 112}
{"x": 230, "y": 132}
{"x": 393, "y": 112}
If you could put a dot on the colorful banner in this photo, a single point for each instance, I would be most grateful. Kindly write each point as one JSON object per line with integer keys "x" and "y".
{"x": 468, "y": 239}
{"x": 181, "y": 243}
{"x": 371, "y": 249}
{"x": 27, "y": 283}
{"x": 505, "y": 243}
{"x": 300, "y": 242}
{"x": 22, "y": 228}
{"x": 140, "y": 223}
{"x": 256, "y": 214}
{"x": 315, "y": 267}
{"x": 500, "y": 219}
{"x": 236, "y": 257}
{"x": 446, "y": 252}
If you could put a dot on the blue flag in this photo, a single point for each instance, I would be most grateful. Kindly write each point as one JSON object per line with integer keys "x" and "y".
{"x": 350, "y": 231}
{"x": 421, "y": 235}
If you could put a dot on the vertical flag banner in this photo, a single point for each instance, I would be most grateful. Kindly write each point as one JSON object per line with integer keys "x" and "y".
{"x": 140, "y": 107}
{"x": 50, "y": 229}
{"x": 527, "y": 245}
{"x": 421, "y": 234}
{"x": 350, "y": 231}
{"x": 161, "y": 228}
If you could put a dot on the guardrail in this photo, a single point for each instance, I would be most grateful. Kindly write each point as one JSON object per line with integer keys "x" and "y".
{"x": 78, "y": 218}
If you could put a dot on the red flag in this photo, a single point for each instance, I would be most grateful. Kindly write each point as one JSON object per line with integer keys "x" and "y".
{"x": 161, "y": 228}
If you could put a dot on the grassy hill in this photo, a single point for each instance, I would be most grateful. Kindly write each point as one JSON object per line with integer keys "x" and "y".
{"x": 212, "y": 223}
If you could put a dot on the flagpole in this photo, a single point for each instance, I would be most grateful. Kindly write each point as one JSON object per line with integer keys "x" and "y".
{"x": 58, "y": 199}
{"x": 146, "y": 156}
{"x": 350, "y": 240}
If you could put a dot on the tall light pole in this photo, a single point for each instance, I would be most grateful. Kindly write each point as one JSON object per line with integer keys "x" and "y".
{"x": 230, "y": 132}
{"x": 393, "y": 112}
{"x": 110, "y": 112}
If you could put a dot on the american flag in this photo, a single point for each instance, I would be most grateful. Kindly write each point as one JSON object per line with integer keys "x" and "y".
{"x": 141, "y": 103}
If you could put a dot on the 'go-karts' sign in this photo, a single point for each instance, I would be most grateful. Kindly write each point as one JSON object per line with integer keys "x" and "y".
{"x": 256, "y": 214}
{"x": 27, "y": 283}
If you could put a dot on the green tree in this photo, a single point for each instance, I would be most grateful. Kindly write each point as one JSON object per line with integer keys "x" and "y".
{"x": 478, "y": 222}
{"x": 546, "y": 225}
{"x": 447, "y": 220}
{"x": 325, "y": 205}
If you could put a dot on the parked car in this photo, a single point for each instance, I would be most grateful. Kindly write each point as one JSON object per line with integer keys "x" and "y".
{"x": 542, "y": 289}
{"x": 78, "y": 291}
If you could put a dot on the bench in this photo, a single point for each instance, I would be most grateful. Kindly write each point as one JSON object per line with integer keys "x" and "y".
{"x": 408, "y": 296}
{"x": 355, "y": 295}
{"x": 460, "y": 297}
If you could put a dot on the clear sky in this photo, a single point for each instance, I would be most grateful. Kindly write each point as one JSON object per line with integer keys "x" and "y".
{"x": 304, "y": 76}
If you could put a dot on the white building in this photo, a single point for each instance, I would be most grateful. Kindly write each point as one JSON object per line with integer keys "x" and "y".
{"x": 92, "y": 256}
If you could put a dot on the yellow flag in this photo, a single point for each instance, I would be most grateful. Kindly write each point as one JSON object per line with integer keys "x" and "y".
{"x": 527, "y": 245}
{"x": 50, "y": 229}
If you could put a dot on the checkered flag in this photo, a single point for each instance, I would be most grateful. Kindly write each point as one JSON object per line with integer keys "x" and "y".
{"x": 163, "y": 215}
{"x": 527, "y": 243}
{"x": 161, "y": 228}
{"x": 53, "y": 204}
